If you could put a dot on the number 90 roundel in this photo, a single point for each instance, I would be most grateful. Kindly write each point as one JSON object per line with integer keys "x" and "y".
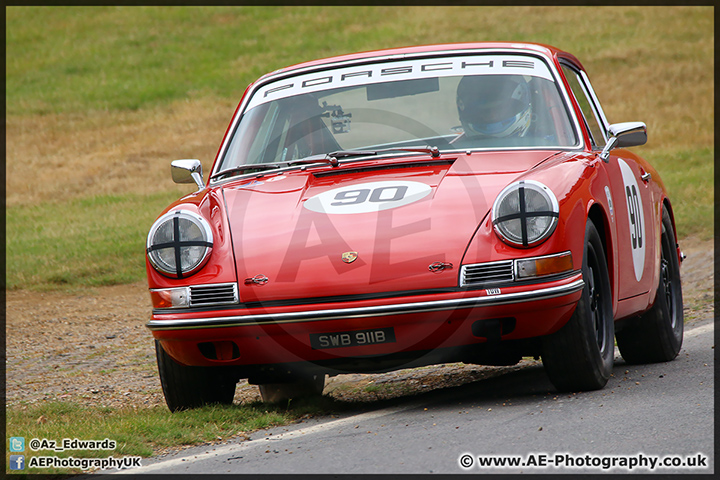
{"x": 368, "y": 197}
{"x": 636, "y": 217}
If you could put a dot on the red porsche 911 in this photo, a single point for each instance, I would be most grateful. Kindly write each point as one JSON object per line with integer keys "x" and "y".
{"x": 392, "y": 209}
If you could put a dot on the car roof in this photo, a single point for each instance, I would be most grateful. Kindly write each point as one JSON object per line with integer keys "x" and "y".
{"x": 545, "y": 50}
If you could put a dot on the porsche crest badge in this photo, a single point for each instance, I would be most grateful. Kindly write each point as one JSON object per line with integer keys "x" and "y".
{"x": 349, "y": 257}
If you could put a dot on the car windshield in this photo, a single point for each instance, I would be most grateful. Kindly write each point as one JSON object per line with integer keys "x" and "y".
{"x": 452, "y": 103}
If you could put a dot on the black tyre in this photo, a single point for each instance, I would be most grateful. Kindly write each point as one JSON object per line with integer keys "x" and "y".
{"x": 308, "y": 386}
{"x": 657, "y": 335}
{"x": 580, "y": 355}
{"x": 191, "y": 387}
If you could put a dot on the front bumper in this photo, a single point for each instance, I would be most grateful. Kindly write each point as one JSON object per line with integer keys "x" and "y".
{"x": 280, "y": 334}
{"x": 475, "y": 301}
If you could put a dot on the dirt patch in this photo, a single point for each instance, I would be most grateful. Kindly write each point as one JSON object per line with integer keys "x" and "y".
{"x": 64, "y": 156}
{"x": 93, "y": 348}
{"x": 697, "y": 273}
{"x": 89, "y": 348}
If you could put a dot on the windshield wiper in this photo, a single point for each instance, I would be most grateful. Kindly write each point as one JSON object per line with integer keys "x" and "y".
{"x": 331, "y": 158}
{"x": 433, "y": 151}
{"x": 249, "y": 166}
{"x": 276, "y": 165}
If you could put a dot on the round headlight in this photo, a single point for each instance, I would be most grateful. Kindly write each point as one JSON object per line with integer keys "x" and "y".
{"x": 179, "y": 243}
{"x": 525, "y": 213}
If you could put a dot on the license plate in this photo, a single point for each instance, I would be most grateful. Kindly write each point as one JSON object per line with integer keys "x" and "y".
{"x": 356, "y": 338}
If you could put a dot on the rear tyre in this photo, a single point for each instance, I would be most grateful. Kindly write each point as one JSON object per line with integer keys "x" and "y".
{"x": 657, "y": 335}
{"x": 579, "y": 356}
{"x": 191, "y": 387}
{"x": 308, "y": 386}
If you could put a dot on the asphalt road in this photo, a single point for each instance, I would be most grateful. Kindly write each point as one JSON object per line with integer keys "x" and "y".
{"x": 646, "y": 413}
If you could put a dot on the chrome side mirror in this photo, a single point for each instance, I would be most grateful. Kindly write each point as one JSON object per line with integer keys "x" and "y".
{"x": 622, "y": 135}
{"x": 187, "y": 171}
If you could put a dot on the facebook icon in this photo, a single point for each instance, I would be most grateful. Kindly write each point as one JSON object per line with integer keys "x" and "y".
{"x": 17, "y": 462}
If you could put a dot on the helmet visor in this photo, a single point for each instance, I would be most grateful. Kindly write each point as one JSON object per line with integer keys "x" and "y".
{"x": 492, "y": 128}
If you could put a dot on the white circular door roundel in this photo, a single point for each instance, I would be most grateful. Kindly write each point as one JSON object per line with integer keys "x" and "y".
{"x": 636, "y": 218}
{"x": 368, "y": 197}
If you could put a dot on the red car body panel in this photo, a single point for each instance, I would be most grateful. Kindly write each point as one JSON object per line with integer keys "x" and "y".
{"x": 395, "y": 246}
{"x": 261, "y": 228}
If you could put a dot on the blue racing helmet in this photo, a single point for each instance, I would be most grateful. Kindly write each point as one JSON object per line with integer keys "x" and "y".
{"x": 494, "y": 105}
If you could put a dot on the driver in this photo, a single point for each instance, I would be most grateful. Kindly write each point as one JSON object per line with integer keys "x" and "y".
{"x": 494, "y": 106}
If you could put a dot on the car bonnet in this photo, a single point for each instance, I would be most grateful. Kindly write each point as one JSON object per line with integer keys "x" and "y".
{"x": 364, "y": 227}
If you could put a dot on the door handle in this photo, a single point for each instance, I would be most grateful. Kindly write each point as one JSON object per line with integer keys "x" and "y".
{"x": 646, "y": 177}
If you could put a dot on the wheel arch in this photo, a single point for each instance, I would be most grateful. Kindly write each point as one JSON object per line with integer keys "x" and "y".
{"x": 597, "y": 215}
{"x": 668, "y": 206}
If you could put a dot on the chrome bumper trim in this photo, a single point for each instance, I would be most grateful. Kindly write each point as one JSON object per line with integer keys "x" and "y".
{"x": 358, "y": 312}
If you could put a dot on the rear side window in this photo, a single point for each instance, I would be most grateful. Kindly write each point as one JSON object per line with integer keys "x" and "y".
{"x": 581, "y": 90}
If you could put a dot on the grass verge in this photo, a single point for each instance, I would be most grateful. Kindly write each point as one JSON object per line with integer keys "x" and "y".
{"x": 688, "y": 176}
{"x": 147, "y": 431}
{"x": 92, "y": 241}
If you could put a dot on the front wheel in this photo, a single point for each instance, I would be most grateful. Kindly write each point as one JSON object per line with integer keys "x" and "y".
{"x": 191, "y": 387}
{"x": 579, "y": 356}
{"x": 657, "y": 335}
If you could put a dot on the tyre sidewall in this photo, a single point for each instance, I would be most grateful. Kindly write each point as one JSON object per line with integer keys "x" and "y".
{"x": 186, "y": 387}
{"x": 603, "y": 358}
{"x": 675, "y": 332}
{"x": 572, "y": 357}
{"x": 651, "y": 337}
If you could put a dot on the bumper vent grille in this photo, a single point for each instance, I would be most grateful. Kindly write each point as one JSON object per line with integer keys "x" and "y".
{"x": 203, "y": 295}
{"x": 487, "y": 273}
